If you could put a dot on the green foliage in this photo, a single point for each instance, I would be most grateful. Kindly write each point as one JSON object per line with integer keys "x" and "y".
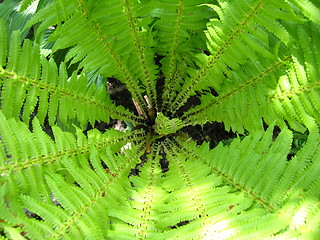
{"x": 253, "y": 65}
{"x": 165, "y": 126}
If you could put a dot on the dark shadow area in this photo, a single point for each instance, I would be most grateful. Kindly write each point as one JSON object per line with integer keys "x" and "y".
{"x": 209, "y": 132}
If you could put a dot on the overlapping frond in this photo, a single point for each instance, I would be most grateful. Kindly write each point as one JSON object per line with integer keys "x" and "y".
{"x": 16, "y": 15}
{"x": 178, "y": 37}
{"x": 85, "y": 205}
{"x": 252, "y": 63}
{"x": 128, "y": 22}
{"x": 39, "y": 174}
{"x": 136, "y": 215}
{"x": 252, "y": 189}
{"x": 23, "y": 151}
{"x": 244, "y": 103}
{"x": 245, "y": 32}
{"x": 285, "y": 89}
{"x": 118, "y": 43}
{"x": 32, "y": 85}
{"x": 309, "y": 8}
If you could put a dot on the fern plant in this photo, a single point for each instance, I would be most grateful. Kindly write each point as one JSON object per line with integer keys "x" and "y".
{"x": 253, "y": 65}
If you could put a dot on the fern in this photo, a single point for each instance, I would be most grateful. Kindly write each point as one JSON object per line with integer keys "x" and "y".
{"x": 251, "y": 64}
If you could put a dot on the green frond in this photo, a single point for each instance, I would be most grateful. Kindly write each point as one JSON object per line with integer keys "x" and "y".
{"x": 25, "y": 4}
{"x": 137, "y": 18}
{"x": 26, "y": 155}
{"x": 117, "y": 44}
{"x": 88, "y": 202}
{"x": 47, "y": 17}
{"x": 165, "y": 126}
{"x": 252, "y": 65}
{"x": 177, "y": 25}
{"x": 45, "y": 210}
{"x": 37, "y": 87}
{"x": 254, "y": 175}
{"x": 3, "y": 43}
{"x": 202, "y": 204}
{"x": 244, "y": 102}
{"x": 287, "y": 89}
{"x": 129, "y": 21}
{"x": 63, "y": 162}
{"x": 309, "y": 9}
{"x": 243, "y": 33}
{"x": 138, "y": 211}
{"x": 16, "y": 16}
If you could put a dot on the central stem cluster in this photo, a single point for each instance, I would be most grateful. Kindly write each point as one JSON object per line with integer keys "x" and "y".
{"x": 165, "y": 126}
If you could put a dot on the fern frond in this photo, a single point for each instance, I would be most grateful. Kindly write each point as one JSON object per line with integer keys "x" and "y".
{"x": 48, "y": 18}
{"x": 3, "y": 43}
{"x": 89, "y": 203}
{"x": 287, "y": 90}
{"x": 63, "y": 162}
{"x": 50, "y": 92}
{"x": 251, "y": 177}
{"x": 252, "y": 64}
{"x": 299, "y": 89}
{"x": 309, "y": 9}
{"x": 26, "y": 154}
{"x": 138, "y": 212}
{"x": 137, "y": 18}
{"x": 25, "y": 4}
{"x": 243, "y": 104}
{"x": 243, "y": 32}
{"x": 201, "y": 203}
{"x": 117, "y": 43}
{"x": 16, "y": 16}
{"x": 178, "y": 22}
